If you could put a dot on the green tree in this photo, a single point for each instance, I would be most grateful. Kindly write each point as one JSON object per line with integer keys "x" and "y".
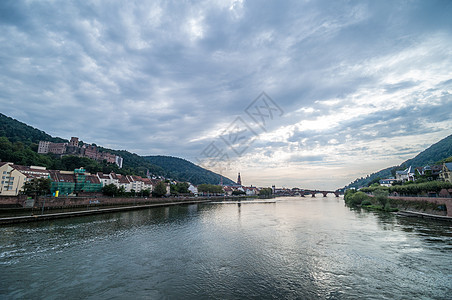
{"x": 145, "y": 193}
{"x": 121, "y": 191}
{"x": 381, "y": 196}
{"x": 160, "y": 189}
{"x": 37, "y": 187}
{"x": 110, "y": 190}
{"x": 265, "y": 192}
{"x": 210, "y": 188}
{"x": 355, "y": 198}
{"x": 180, "y": 188}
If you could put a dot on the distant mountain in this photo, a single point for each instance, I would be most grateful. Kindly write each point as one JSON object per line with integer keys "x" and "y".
{"x": 432, "y": 155}
{"x": 181, "y": 169}
{"x": 18, "y": 144}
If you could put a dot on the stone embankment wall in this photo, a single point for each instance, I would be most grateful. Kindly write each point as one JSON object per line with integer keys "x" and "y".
{"x": 433, "y": 200}
{"x": 67, "y": 202}
{"x": 12, "y": 201}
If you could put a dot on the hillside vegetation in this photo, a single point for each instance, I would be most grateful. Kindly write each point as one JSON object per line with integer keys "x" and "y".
{"x": 178, "y": 168}
{"x": 17, "y": 131}
{"x": 19, "y": 144}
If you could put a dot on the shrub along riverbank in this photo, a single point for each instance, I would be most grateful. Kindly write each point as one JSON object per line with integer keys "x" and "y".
{"x": 376, "y": 198}
{"x": 378, "y": 201}
{"x": 411, "y": 189}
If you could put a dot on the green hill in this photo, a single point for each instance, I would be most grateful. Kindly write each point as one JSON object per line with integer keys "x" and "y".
{"x": 17, "y": 131}
{"x": 179, "y": 169}
{"x": 432, "y": 155}
{"x": 19, "y": 144}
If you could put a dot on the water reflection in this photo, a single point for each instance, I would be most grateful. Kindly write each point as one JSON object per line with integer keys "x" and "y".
{"x": 312, "y": 248}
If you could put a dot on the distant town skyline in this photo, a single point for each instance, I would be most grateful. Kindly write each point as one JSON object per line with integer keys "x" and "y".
{"x": 350, "y": 87}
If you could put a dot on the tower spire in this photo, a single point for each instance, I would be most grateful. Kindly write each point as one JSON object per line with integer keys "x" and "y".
{"x": 239, "y": 180}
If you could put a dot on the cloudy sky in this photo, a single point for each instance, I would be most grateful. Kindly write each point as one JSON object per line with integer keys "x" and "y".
{"x": 351, "y": 87}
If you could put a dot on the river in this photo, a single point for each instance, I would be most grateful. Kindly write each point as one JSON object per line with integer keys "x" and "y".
{"x": 295, "y": 248}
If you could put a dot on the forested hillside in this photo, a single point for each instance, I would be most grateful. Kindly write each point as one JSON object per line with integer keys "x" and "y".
{"x": 434, "y": 154}
{"x": 19, "y": 144}
{"x": 178, "y": 168}
{"x": 17, "y": 131}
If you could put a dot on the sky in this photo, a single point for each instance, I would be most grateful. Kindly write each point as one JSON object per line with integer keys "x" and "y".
{"x": 309, "y": 94}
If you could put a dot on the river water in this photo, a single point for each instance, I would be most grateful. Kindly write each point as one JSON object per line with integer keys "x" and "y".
{"x": 296, "y": 248}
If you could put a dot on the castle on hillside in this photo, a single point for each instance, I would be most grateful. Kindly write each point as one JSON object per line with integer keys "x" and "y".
{"x": 73, "y": 148}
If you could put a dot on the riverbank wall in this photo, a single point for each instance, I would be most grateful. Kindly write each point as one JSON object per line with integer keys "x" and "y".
{"x": 21, "y": 202}
{"x": 413, "y": 201}
{"x": 91, "y": 211}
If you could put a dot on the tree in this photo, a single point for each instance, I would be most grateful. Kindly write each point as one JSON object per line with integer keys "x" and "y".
{"x": 160, "y": 189}
{"x": 110, "y": 190}
{"x": 180, "y": 188}
{"x": 265, "y": 192}
{"x": 381, "y": 196}
{"x": 210, "y": 188}
{"x": 375, "y": 182}
{"x": 355, "y": 198}
{"x": 37, "y": 187}
{"x": 145, "y": 193}
{"x": 121, "y": 191}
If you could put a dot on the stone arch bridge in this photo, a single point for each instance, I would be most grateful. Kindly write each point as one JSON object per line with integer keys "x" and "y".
{"x": 314, "y": 192}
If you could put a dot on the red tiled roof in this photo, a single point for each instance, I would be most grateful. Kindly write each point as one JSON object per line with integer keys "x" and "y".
{"x": 122, "y": 179}
{"x": 92, "y": 179}
{"x": 147, "y": 181}
{"x": 56, "y": 176}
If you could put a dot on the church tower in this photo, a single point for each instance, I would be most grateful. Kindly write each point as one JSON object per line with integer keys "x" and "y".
{"x": 239, "y": 180}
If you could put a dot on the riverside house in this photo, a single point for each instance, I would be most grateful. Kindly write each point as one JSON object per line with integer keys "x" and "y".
{"x": 446, "y": 172}
{"x": 14, "y": 176}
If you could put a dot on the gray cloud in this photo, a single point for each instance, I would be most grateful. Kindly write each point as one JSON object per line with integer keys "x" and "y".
{"x": 154, "y": 76}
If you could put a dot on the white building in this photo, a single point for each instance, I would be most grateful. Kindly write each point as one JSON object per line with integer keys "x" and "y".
{"x": 44, "y": 147}
{"x": 193, "y": 189}
{"x": 405, "y": 175}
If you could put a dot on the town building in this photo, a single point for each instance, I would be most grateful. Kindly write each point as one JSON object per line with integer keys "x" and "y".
{"x": 193, "y": 189}
{"x": 405, "y": 175}
{"x": 251, "y": 191}
{"x": 446, "y": 172}
{"x": 12, "y": 180}
{"x": 62, "y": 181}
{"x": 431, "y": 172}
{"x": 387, "y": 182}
{"x": 73, "y": 182}
{"x": 43, "y": 147}
{"x": 74, "y": 148}
{"x": 13, "y": 177}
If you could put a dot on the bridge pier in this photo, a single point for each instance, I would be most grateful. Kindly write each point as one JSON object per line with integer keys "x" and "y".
{"x": 337, "y": 194}
{"x": 324, "y": 194}
{"x": 313, "y": 194}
